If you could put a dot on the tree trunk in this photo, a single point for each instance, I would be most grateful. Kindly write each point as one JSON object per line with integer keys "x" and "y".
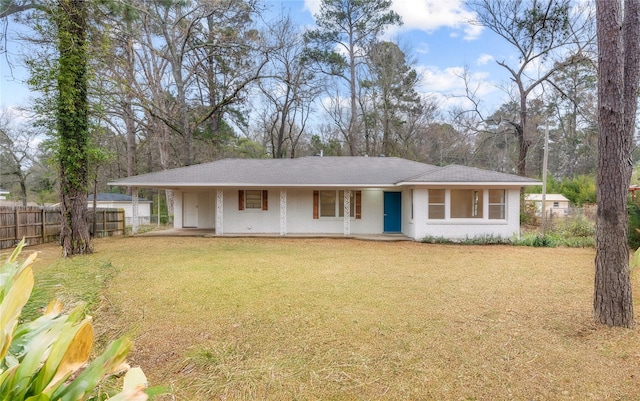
{"x": 129, "y": 113}
{"x": 354, "y": 126}
{"x": 618, "y": 76}
{"x": 521, "y": 133}
{"x": 73, "y": 126}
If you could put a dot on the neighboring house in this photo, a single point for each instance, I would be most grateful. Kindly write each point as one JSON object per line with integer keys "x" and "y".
{"x": 120, "y": 201}
{"x": 556, "y": 205}
{"x": 341, "y": 195}
{"x": 3, "y": 192}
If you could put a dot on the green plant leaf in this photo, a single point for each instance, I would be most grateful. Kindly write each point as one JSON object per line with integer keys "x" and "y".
{"x": 12, "y": 305}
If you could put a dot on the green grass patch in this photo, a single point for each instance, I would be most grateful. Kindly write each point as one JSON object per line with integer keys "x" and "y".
{"x": 72, "y": 280}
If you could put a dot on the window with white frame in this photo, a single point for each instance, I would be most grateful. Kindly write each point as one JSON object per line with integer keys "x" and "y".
{"x": 466, "y": 203}
{"x": 328, "y": 203}
{"x": 436, "y": 203}
{"x": 332, "y": 204}
{"x": 253, "y": 199}
{"x": 497, "y": 204}
{"x": 412, "y": 204}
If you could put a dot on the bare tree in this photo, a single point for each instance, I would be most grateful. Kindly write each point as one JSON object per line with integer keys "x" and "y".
{"x": 289, "y": 89}
{"x": 18, "y": 146}
{"x": 573, "y": 102}
{"x": 618, "y": 78}
{"x": 540, "y": 31}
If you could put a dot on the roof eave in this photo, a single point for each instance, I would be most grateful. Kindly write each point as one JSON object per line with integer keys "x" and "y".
{"x": 472, "y": 183}
{"x": 175, "y": 185}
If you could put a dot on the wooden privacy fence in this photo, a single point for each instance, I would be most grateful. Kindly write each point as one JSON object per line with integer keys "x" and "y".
{"x": 40, "y": 225}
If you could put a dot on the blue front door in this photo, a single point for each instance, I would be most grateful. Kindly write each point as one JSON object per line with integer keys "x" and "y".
{"x": 392, "y": 212}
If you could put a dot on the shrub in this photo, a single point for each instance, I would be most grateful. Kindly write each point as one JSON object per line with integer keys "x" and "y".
{"x": 430, "y": 239}
{"x": 633, "y": 238}
{"x": 46, "y": 359}
{"x": 528, "y": 216}
{"x": 536, "y": 240}
{"x": 477, "y": 240}
{"x": 578, "y": 226}
{"x": 486, "y": 240}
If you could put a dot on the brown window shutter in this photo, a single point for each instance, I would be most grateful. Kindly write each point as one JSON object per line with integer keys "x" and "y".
{"x": 316, "y": 200}
{"x": 265, "y": 200}
{"x": 358, "y": 204}
{"x": 240, "y": 200}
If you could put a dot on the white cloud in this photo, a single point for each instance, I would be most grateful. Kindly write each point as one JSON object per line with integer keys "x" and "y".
{"x": 448, "y": 86}
{"x": 425, "y": 15}
{"x": 430, "y": 15}
{"x": 312, "y": 5}
{"x": 484, "y": 59}
{"x": 423, "y": 48}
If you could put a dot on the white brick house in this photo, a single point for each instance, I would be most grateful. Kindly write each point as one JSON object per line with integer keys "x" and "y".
{"x": 341, "y": 195}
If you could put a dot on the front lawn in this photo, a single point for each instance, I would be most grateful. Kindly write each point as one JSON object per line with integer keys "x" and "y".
{"x": 318, "y": 319}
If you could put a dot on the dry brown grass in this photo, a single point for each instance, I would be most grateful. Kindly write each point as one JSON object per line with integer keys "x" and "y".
{"x": 284, "y": 319}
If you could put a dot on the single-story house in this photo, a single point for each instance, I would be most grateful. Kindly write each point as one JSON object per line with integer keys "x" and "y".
{"x": 105, "y": 200}
{"x": 556, "y": 205}
{"x": 341, "y": 195}
{"x": 3, "y": 192}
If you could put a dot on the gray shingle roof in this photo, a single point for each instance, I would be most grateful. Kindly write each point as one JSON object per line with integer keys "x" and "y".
{"x": 308, "y": 171}
{"x": 460, "y": 174}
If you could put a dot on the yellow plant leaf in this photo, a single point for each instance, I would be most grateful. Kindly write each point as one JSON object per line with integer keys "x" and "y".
{"x": 134, "y": 379}
{"x": 54, "y": 308}
{"x": 76, "y": 355}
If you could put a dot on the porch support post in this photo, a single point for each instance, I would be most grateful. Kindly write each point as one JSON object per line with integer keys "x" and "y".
{"x": 134, "y": 201}
{"x": 283, "y": 212}
{"x": 219, "y": 211}
{"x": 347, "y": 213}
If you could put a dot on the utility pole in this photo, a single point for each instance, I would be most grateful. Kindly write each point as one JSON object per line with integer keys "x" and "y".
{"x": 544, "y": 179}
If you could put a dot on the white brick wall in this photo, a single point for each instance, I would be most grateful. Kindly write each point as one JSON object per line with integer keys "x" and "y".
{"x": 300, "y": 216}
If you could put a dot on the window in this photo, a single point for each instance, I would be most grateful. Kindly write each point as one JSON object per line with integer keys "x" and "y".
{"x": 412, "y": 204}
{"x": 466, "y": 203}
{"x": 436, "y": 203}
{"x": 327, "y": 203}
{"x": 253, "y": 199}
{"x": 496, "y": 204}
{"x": 331, "y": 204}
{"x": 556, "y": 204}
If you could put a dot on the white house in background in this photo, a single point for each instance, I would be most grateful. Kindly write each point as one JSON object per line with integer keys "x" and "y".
{"x": 106, "y": 200}
{"x": 3, "y": 192}
{"x": 556, "y": 205}
{"x": 341, "y": 195}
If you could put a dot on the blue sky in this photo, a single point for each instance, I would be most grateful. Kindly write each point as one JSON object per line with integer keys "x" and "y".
{"x": 444, "y": 43}
{"x": 436, "y": 32}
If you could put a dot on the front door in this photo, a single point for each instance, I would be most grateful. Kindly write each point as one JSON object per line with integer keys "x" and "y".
{"x": 190, "y": 209}
{"x": 392, "y": 212}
